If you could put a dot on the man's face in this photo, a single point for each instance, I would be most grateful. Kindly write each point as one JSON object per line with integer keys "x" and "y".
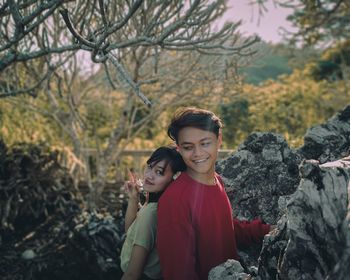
{"x": 199, "y": 149}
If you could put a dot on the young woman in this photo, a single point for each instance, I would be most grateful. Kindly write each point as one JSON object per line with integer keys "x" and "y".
{"x": 139, "y": 258}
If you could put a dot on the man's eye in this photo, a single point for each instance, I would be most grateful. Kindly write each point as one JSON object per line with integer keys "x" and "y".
{"x": 187, "y": 148}
{"x": 205, "y": 144}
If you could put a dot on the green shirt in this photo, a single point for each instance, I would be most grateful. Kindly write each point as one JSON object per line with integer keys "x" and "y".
{"x": 142, "y": 232}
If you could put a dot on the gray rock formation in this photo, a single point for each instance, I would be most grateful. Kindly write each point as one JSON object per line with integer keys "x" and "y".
{"x": 341, "y": 270}
{"x": 314, "y": 230}
{"x": 329, "y": 141}
{"x": 230, "y": 270}
{"x": 306, "y": 191}
{"x": 263, "y": 169}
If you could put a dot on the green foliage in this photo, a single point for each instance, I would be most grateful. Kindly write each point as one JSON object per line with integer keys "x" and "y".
{"x": 326, "y": 69}
{"x": 320, "y": 21}
{"x": 332, "y": 63}
{"x": 19, "y": 124}
{"x": 292, "y": 104}
{"x": 235, "y": 116}
{"x": 270, "y": 65}
{"x": 97, "y": 119}
{"x": 268, "y": 68}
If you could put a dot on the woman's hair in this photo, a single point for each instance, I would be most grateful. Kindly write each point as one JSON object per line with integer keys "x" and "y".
{"x": 171, "y": 157}
{"x": 193, "y": 117}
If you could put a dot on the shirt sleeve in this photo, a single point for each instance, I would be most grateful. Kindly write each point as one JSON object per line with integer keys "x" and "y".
{"x": 249, "y": 232}
{"x": 145, "y": 229}
{"x": 176, "y": 241}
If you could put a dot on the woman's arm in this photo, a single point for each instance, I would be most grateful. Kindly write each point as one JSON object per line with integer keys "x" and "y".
{"x": 131, "y": 212}
{"x": 132, "y": 189}
{"x": 137, "y": 262}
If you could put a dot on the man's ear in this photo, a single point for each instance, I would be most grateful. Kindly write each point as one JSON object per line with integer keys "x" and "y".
{"x": 220, "y": 138}
{"x": 177, "y": 147}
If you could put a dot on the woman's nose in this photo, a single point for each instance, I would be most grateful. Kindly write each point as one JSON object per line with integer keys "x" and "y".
{"x": 148, "y": 173}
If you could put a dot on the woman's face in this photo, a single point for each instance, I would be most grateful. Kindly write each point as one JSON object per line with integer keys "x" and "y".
{"x": 157, "y": 176}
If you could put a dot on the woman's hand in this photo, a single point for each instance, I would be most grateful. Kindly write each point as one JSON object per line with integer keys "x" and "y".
{"x": 132, "y": 190}
{"x": 132, "y": 186}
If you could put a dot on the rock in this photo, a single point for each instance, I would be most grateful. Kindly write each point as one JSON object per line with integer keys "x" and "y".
{"x": 28, "y": 254}
{"x": 329, "y": 141}
{"x": 273, "y": 248}
{"x": 230, "y": 270}
{"x": 263, "y": 169}
{"x": 97, "y": 240}
{"x": 341, "y": 270}
{"x": 316, "y": 233}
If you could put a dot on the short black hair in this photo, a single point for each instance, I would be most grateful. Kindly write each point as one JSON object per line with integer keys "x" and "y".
{"x": 194, "y": 117}
{"x": 171, "y": 157}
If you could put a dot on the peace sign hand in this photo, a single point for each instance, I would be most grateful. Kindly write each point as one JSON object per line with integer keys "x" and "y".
{"x": 132, "y": 186}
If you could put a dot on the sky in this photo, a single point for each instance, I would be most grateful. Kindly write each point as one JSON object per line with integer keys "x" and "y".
{"x": 269, "y": 26}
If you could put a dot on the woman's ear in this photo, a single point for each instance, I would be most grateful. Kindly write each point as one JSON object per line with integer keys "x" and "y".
{"x": 177, "y": 174}
{"x": 220, "y": 138}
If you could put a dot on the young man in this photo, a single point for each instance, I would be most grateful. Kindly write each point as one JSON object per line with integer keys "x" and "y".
{"x": 196, "y": 230}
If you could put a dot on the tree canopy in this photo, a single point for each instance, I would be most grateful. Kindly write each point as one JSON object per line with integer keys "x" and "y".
{"x": 47, "y": 33}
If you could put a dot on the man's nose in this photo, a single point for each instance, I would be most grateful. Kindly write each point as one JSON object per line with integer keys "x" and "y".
{"x": 197, "y": 150}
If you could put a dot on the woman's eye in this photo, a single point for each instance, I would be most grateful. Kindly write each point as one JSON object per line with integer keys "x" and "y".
{"x": 159, "y": 172}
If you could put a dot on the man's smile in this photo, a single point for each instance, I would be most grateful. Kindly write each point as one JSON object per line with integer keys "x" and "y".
{"x": 200, "y": 160}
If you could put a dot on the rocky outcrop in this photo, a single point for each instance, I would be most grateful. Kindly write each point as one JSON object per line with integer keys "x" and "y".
{"x": 310, "y": 207}
{"x": 311, "y": 240}
{"x": 44, "y": 231}
{"x": 329, "y": 141}
{"x": 230, "y": 270}
{"x": 315, "y": 215}
{"x": 262, "y": 170}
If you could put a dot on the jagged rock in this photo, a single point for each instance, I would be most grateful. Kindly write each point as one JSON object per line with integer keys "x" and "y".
{"x": 230, "y": 270}
{"x": 97, "y": 240}
{"x": 83, "y": 246}
{"x": 263, "y": 169}
{"x": 28, "y": 254}
{"x": 312, "y": 238}
{"x": 273, "y": 248}
{"x": 32, "y": 187}
{"x": 44, "y": 234}
{"x": 329, "y": 141}
{"x": 315, "y": 214}
{"x": 341, "y": 270}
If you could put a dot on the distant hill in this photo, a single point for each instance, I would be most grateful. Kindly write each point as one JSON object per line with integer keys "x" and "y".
{"x": 269, "y": 62}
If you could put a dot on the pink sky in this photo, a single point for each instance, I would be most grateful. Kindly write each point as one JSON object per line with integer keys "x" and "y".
{"x": 267, "y": 28}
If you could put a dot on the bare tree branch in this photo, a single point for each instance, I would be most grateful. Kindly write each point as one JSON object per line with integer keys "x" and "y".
{"x": 127, "y": 79}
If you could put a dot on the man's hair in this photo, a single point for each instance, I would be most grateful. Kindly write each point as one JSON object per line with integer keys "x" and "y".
{"x": 171, "y": 157}
{"x": 193, "y": 117}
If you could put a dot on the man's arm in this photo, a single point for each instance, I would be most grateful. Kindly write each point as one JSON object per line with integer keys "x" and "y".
{"x": 176, "y": 242}
{"x": 249, "y": 232}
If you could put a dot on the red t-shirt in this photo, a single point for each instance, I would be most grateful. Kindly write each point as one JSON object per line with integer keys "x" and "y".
{"x": 196, "y": 231}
